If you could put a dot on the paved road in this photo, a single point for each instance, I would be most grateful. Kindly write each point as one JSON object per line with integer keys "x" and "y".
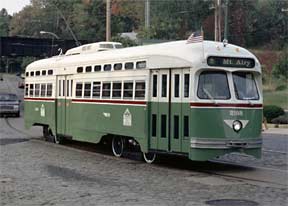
{"x": 34, "y": 172}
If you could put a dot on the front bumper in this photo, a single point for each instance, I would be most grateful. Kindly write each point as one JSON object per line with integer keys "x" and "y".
{"x": 205, "y": 149}
{"x": 201, "y": 143}
{"x": 9, "y": 111}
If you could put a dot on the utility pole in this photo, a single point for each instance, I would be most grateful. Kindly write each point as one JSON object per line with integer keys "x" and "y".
{"x": 108, "y": 20}
{"x": 147, "y": 14}
{"x": 217, "y": 33}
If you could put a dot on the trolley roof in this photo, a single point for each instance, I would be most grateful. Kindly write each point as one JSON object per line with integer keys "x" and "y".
{"x": 164, "y": 55}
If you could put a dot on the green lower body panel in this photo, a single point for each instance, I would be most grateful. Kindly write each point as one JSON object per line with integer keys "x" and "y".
{"x": 207, "y": 154}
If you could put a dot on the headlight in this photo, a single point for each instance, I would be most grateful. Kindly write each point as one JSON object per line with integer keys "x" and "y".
{"x": 16, "y": 106}
{"x": 237, "y": 125}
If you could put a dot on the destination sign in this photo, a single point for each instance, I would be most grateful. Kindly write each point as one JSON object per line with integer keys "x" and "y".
{"x": 231, "y": 62}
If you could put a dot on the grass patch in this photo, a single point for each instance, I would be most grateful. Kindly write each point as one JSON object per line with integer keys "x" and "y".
{"x": 279, "y": 98}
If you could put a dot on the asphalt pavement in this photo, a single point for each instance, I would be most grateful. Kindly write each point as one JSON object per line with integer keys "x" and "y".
{"x": 35, "y": 172}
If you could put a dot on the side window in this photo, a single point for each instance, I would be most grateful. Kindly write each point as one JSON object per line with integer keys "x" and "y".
{"x": 176, "y": 85}
{"x": 88, "y": 69}
{"x": 67, "y": 88}
{"x": 164, "y": 85}
{"x": 155, "y": 85}
{"x": 87, "y": 90}
{"x": 63, "y": 88}
{"x": 26, "y": 89}
{"x": 140, "y": 90}
{"x": 163, "y": 125}
{"x": 59, "y": 88}
{"x": 129, "y": 65}
{"x": 176, "y": 126}
{"x": 43, "y": 90}
{"x": 186, "y": 126}
{"x": 49, "y": 90}
{"x": 117, "y": 88}
{"x": 96, "y": 89}
{"x": 50, "y": 72}
{"x": 186, "y": 85}
{"x": 154, "y": 125}
{"x": 128, "y": 90}
{"x": 71, "y": 88}
{"x": 118, "y": 66}
{"x": 37, "y": 90}
{"x": 79, "y": 87}
{"x": 97, "y": 68}
{"x": 32, "y": 74}
{"x": 43, "y": 72}
{"x": 141, "y": 65}
{"x": 79, "y": 69}
{"x": 107, "y": 67}
{"x": 37, "y": 73}
{"x": 31, "y": 90}
{"x": 106, "y": 90}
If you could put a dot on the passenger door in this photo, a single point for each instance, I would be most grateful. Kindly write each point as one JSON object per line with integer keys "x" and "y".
{"x": 169, "y": 110}
{"x": 159, "y": 113}
{"x": 180, "y": 110}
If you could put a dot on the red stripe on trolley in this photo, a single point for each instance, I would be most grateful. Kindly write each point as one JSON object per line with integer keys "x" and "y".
{"x": 110, "y": 101}
{"x": 198, "y": 104}
{"x": 39, "y": 99}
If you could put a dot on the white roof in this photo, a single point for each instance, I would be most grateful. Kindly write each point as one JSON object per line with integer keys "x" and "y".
{"x": 163, "y": 55}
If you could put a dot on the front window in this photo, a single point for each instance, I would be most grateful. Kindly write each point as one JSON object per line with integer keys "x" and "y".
{"x": 245, "y": 86}
{"x": 213, "y": 85}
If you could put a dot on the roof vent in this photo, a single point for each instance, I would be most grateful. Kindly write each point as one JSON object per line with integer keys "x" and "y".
{"x": 93, "y": 48}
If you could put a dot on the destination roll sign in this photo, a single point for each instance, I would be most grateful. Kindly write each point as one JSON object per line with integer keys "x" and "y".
{"x": 230, "y": 62}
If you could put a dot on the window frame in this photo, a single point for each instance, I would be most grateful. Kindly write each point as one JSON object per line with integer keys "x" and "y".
{"x": 87, "y": 90}
{"x": 106, "y": 90}
{"x": 135, "y": 91}
{"x": 78, "y": 89}
{"x": 236, "y": 90}
{"x": 100, "y": 91}
{"x": 214, "y": 71}
{"x": 129, "y": 63}
{"x": 129, "y": 90}
{"x": 117, "y": 90}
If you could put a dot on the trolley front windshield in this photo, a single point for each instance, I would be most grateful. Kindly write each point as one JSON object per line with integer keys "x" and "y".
{"x": 245, "y": 86}
{"x": 213, "y": 85}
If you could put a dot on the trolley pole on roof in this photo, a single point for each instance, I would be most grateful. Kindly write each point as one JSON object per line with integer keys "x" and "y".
{"x": 108, "y": 20}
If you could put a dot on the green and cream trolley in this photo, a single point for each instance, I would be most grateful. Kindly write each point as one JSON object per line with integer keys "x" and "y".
{"x": 200, "y": 100}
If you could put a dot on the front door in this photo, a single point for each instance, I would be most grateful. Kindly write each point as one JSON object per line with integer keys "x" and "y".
{"x": 169, "y": 114}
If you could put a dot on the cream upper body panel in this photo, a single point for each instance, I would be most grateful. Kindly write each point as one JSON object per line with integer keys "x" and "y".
{"x": 177, "y": 54}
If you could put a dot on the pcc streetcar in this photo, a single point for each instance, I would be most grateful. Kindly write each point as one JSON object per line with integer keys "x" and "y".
{"x": 201, "y": 100}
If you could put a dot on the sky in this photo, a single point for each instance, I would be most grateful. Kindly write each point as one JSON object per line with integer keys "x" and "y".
{"x": 13, "y": 6}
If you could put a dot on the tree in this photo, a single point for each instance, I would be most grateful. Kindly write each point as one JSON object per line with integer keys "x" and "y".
{"x": 4, "y": 22}
{"x": 280, "y": 70}
{"x": 173, "y": 19}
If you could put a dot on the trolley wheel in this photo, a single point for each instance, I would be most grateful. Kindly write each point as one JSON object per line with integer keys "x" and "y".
{"x": 46, "y": 134}
{"x": 49, "y": 136}
{"x": 118, "y": 146}
{"x": 17, "y": 114}
{"x": 149, "y": 157}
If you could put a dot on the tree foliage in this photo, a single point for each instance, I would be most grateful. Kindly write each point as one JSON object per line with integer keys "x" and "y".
{"x": 280, "y": 70}
{"x": 252, "y": 23}
{"x": 4, "y": 22}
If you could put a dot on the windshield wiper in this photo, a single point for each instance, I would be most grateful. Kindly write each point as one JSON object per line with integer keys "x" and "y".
{"x": 209, "y": 95}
